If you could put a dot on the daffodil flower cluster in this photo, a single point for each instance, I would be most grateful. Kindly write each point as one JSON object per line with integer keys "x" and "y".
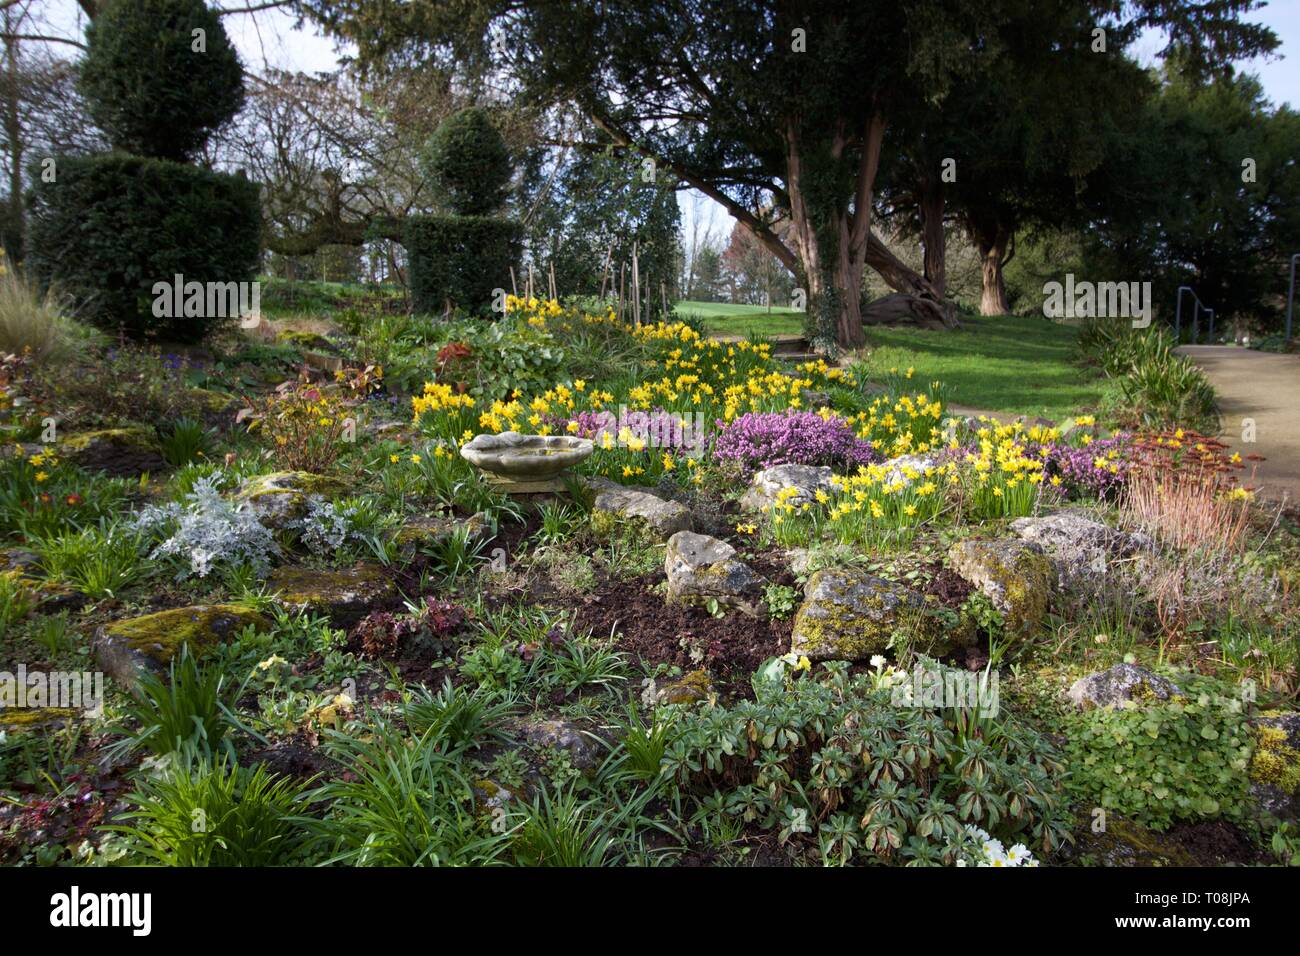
{"x": 878, "y": 504}
{"x": 1004, "y": 478}
{"x": 904, "y": 424}
{"x": 692, "y": 375}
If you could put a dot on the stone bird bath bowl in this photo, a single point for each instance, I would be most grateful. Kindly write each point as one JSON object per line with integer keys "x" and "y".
{"x": 526, "y": 463}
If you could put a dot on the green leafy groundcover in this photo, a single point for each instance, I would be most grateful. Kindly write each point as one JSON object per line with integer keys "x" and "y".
{"x": 1185, "y": 759}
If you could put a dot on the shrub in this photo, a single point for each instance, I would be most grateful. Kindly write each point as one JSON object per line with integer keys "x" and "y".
{"x": 120, "y": 385}
{"x": 207, "y": 529}
{"x": 459, "y": 260}
{"x": 148, "y": 87}
{"x": 763, "y": 439}
{"x": 112, "y": 226}
{"x": 306, "y": 425}
{"x": 1099, "y": 468}
{"x": 468, "y": 161}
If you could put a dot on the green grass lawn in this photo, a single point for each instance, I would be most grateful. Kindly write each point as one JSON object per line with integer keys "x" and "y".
{"x": 723, "y": 318}
{"x": 1006, "y": 363}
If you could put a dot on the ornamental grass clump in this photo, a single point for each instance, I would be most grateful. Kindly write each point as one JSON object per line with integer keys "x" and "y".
{"x": 1184, "y": 490}
{"x": 759, "y": 440}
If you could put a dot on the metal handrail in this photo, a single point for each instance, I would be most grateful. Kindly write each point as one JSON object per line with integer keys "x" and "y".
{"x": 1290, "y": 298}
{"x": 1178, "y": 313}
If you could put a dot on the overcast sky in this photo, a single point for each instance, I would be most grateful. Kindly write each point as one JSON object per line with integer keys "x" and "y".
{"x": 267, "y": 39}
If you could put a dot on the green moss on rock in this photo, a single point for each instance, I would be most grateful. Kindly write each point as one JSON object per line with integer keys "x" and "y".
{"x": 209, "y": 402}
{"x": 344, "y": 596}
{"x": 690, "y": 688}
{"x": 1016, "y": 576}
{"x": 638, "y": 511}
{"x": 426, "y": 531}
{"x": 279, "y": 497}
{"x": 850, "y": 615}
{"x": 31, "y": 718}
{"x": 127, "y": 648}
{"x": 1275, "y": 764}
{"x": 305, "y": 340}
{"x": 121, "y": 452}
{"x": 1125, "y": 843}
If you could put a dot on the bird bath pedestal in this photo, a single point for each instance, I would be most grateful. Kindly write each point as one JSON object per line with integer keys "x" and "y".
{"x": 526, "y": 464}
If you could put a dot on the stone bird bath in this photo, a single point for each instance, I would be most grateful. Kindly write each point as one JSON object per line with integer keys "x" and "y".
{"x": 526, "y": 464}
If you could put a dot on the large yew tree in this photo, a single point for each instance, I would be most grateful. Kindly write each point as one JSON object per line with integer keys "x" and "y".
{"x": 777, "y": 105}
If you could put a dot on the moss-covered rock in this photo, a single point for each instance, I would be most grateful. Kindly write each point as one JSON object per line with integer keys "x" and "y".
{"x": 36, "y": 718}
{"x": 128, "y": 648}
{"x": 640, "y": 511}
{"x": 425, "y": 531}
{"x": 210, "y": 405}
{"x": 1275, "y": 764}
{"x": 564, "y": 735}
{"x": 767, "y": 485}
{"x": 305, "y": 340}
{"x": 121, "y": 452}
{"x": 850, "y": 615}
{"x": 1124, "y": 685}
{"x": 690, "y": 688}
{"x": 26, "y": 563}
{"x": 280, "y": 497}
{"x": 1015, "y": 576}
{"x": 343, "y": 596}
{"x": 702, "y": 570}
{"x": 1081, "y": 549}
{"x": 1125, "y": 843}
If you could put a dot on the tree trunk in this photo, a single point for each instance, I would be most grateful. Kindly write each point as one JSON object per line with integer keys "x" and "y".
{"x": 902, "y": 279}
{"x": 993, "y": 244}
{"x": 831, "y": 243}
{"x": 15, "y": 232}
{"x": 932, "y": 235}
{"x": 900, "y": 308}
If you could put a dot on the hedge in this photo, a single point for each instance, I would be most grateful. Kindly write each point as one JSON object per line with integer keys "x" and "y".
{"x": 111, "y": 226}
{"x": 459, "y": 261}
{"x": 147, "y": 86}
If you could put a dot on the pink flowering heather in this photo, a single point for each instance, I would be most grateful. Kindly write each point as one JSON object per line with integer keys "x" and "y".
{"x": 1078, "y": 469}
{"x": 762, "y": 439}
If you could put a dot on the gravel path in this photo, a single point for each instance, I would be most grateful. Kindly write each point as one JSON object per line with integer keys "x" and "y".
{"x": 1265, "y": 387}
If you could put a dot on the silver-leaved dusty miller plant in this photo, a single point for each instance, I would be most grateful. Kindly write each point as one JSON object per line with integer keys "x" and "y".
{"x": 324, "y": 528}
{"x": 208, "y": 529}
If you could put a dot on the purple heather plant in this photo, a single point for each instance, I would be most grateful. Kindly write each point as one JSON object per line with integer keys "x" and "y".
{"x": 762, "y": 439}
{"x": 1074, "y": 465}
{"x": 1078, "y": 470}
